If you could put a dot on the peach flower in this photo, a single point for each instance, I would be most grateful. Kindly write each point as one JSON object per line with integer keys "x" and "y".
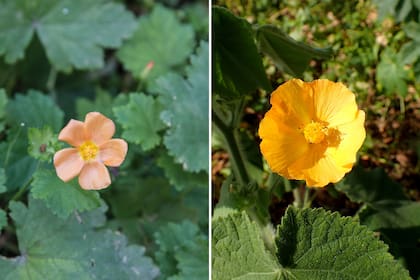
{"x": 93, "y": 149}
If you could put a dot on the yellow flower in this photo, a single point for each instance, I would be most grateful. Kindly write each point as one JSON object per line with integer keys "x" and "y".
{"x": 93, "y": 149}
{"x": 312, "y": 131}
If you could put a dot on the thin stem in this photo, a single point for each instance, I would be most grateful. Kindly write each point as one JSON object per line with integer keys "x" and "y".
{"x": 267, "y": 231}
{"x": 235, "y": 155}
{"x": 52, "y": 78}
{"x": 22, "y": 190}
{"x": 306, "y": 200}
{"x": 298, "y": 198}
{"x": 301, "y": 195}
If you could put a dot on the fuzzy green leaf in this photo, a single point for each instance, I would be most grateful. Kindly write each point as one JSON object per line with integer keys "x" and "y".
{"x": 52, "y": 248}
{"x": 42, "y": 143}
{"x": 183, "y": 251}
{"x": 140, "y": 120}
{"x": 289, "y": 55}
{"x": 369, "y": 186}
{"x": 71, "y": 31}
{"x": 63, "y": 198}
{"x": 179, "y": 177}
{"x": 39, "y": 111}
{"x": 103, "y": 103}
{"x": 311, "y": 244}
{"x": 186, "y": 112}
{"x": 238, "y": 250}
{"x": 160, "y": 38}
{"x": 237, "y": 65}
{"x": 316, "y": 244}
{"x": 390, "y": 74}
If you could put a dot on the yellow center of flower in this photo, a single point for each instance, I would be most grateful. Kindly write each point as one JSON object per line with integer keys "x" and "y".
{"x": 88, "y": 150}
{"x": 315, "y": 132}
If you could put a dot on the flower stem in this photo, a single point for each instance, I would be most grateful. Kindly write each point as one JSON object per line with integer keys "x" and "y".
{"x": 52, "y": 78}
{"x": 22, "y": 190}
{"x": 301, "y": 195}
{"x": 236, "y": 157}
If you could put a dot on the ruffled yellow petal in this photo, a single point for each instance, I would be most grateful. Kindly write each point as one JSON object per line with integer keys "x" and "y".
{"x": 352, "y": 137}
{"x": 324, "y": 171}
{"x": 94, "y": 176}
{"x": 73, "y": 133}
{"x": 113, "y": 152}
{"x": 99, "y": 127}
{"x": 294, "y": 101}
{"x": 68, "y": 163}
{"x": 334, "y": 103}
{"x": 278, "y": 142}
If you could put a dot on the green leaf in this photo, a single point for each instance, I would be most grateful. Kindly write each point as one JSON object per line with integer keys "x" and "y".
{"x": 42, "y": 143}
{"x": 52, "y": 248}
{"x": 140, "y": 120}
{"x": 412, "y": 29}
{"x": 311, "y": 244}
{"x": 39, "y": 111}
{"x": 385, "y": 8}
{"x": 391, "y": 75}
{"x": 2, "y": 180}
{"x": 183, "y": 251}
{"x": 198, "y": 15}
{"x": 136, "y": 204}
{"x": 179, "y": 177}
{"x": 3, "y": 219}
{"x": 409, "y": 52}
{"x": 398, "y": 219}
{"x": 316, "y": 244}
{"x": 370, "y": 186}
{"x": 186, "y": 112}
{"x": 238, "y": 250}
{"x": 237, "y": 65}
{"x": 103, "y": 103}
{"x": 62, "y": 198}
{"x": 289, "y": 55}
{"x": 71, "y": 31}
{"x": 159, "y": 38}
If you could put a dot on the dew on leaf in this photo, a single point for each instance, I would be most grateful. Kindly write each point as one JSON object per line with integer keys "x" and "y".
{"x": 65, "y": 11}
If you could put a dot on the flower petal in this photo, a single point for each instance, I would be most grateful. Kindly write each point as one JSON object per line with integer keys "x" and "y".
{"x": 67, "y": 163}
{"x": 281, "y": 145}
{"x": 99, "y": 127}
{"x": 317, "y": 167}
{"x": 325, "y": 171}
{"x": 113, "y": 152}
{"x": 334, "y": 102}
{"x": 353, "y": 135}
{"x": 73, "y": 133}
{"x": 94, "y": 176}
{"x": 294, "y": 100}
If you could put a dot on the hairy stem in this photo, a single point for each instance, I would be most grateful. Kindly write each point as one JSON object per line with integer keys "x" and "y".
{"x": 236, "y": 157}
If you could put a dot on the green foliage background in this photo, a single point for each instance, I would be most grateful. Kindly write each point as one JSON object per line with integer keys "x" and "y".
{"x": 144, "y": 65}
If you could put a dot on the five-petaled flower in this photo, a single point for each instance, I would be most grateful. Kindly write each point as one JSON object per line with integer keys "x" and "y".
{"x": 92, "y": 149}
{"x": 312, "y": 131}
